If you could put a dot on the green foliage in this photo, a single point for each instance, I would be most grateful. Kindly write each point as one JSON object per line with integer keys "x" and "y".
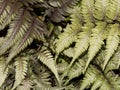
{"x": 59, "y": 44}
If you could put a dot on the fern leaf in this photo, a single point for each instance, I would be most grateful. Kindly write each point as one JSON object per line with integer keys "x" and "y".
{"x": 112, "y": 43}
{"x": 3, "y": 74}
{"x": 87, "y": 10}
{"x": 96, "y": 79}
{"x": 101, "y": 9}
{"x": 46, "y": 58}
{"x": 4, "y": 9}
{"x": 34, "y": 30}
{"x": 21, "y": 70}
{"x": 82, "y": 41}
{"x": 114, "y": 10}
{"x": 16, "y": 31}
{"x": 14, "y": 8}
{"x": 69, "y": 34}
{"x": 96, "y": 41}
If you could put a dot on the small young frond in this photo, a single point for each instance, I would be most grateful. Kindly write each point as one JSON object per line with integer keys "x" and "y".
{"x": 21, "y": 70}
{"x": 46, "y": 58}
{"x": 5, "y": 6}
{"x": 12, "y": 12}
{"x": 96, "y": 40}
{"x": 112, "y": 42}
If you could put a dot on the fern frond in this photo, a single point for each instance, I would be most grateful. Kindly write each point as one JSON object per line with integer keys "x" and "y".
{"x": 3, "y": 74}
{"x": 114, "y": 11}
{"x": 11, "y": 9}
{"x": 21, "y": 70}
{"x": 109, "y": 81}
{"x": 101, "y": 9}
{"x": 22, "y": 36}
{"x": 82, "y": 41}
{"x": 46, "y": 58}
{"x": 87, "y": 10}
{"x": 16, "y": 30}
{"x": 112, "y": 42}
{"x": 96, "y": 41}
{"x": 98, "y": 79}
{"x": 69, "y": 34}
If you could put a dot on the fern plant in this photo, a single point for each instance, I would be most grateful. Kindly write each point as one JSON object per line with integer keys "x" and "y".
{"x": 59, "y": 45}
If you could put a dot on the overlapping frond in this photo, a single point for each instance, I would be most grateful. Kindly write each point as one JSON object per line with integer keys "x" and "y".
{"x": 96, "y": 40}
{"x": 91, "y": 37}
{"x": 105, "y": 20}
{"x": 21, "y": 70}
{"x": 46, "y": 58}
{"x": 82, "y": 42}
{"x": 22, "y": 31}
{"x": 95, "y": 79}
{"x": 69, "y": 34}
{"x": 112, "y": 42}
{"x": 16, "y": 30}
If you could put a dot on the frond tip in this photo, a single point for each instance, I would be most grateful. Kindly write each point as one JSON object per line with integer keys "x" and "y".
{"x": 82, "y": 42}
{"x": 21, "y": 70}
{"x": 96, "y": 40}
{"x": 46, "y": 58}
{"x": 112, "y": 42}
